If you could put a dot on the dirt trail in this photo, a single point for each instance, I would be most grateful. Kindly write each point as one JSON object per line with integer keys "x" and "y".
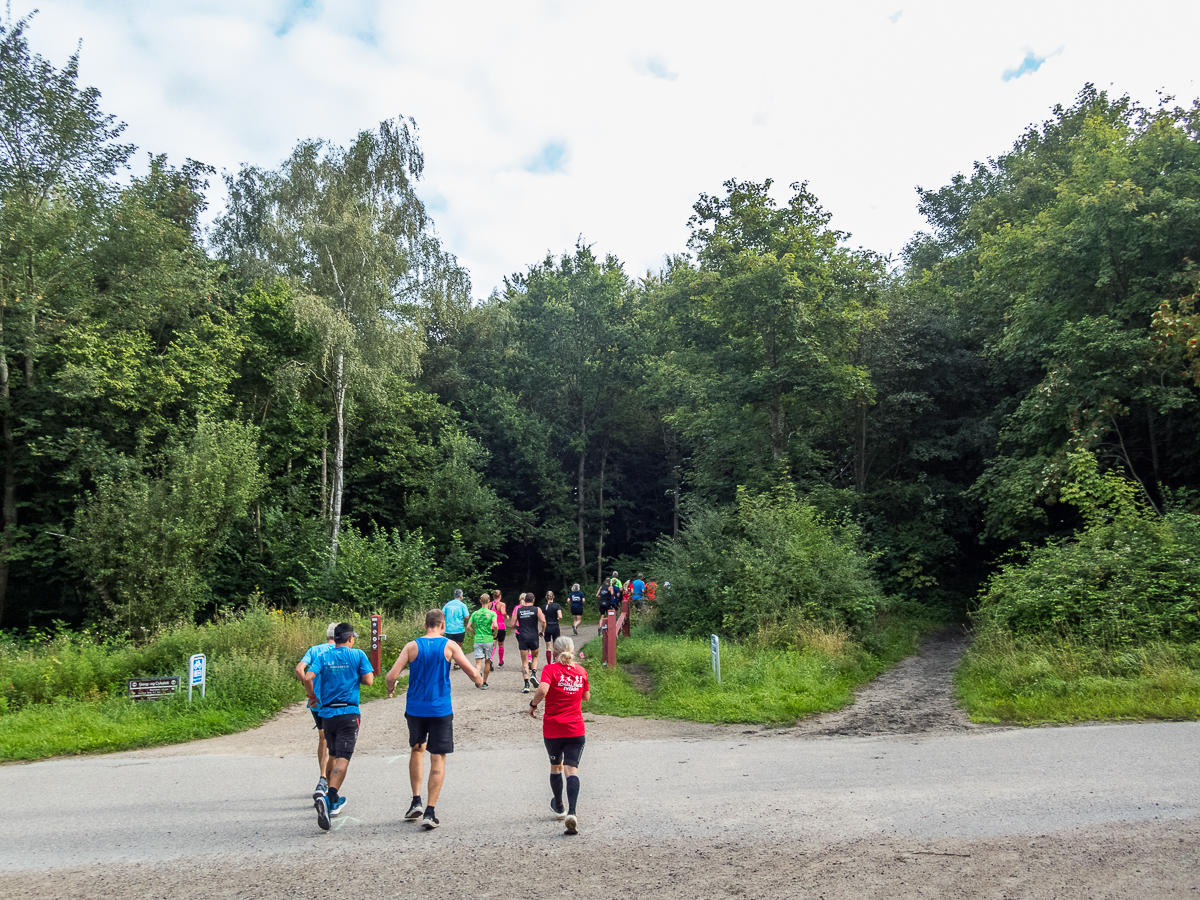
{"x": 915, "y": 697}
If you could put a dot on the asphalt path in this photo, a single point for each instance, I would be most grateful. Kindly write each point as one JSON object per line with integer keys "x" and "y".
{"x": 123, "y": 809}
{"x": 1103, "y": 811}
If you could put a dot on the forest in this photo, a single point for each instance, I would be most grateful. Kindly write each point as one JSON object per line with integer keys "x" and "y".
{"x": 303, "y": 404}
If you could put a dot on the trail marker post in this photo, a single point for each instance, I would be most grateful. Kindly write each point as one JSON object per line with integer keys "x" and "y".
{"x": 197, "y": 674}
{"x": 377, "y": 639}
{"x": 716, "y": 657}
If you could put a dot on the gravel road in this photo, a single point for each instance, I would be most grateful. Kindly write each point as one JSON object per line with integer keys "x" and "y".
{"x": 862, "y": 803}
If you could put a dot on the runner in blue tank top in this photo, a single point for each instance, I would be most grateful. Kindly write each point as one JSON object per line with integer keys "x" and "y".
{"x": 428, "y": 711}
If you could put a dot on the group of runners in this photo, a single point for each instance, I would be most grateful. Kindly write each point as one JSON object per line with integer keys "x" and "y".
{"x": 333, "y": 673}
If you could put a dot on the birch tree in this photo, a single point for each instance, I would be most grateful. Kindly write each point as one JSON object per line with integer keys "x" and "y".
{"x": 346, "y": 226}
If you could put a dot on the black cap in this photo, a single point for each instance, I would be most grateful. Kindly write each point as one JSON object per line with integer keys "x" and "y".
{"x": 343, "y": 633}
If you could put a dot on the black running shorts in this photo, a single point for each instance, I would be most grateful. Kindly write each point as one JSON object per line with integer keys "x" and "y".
{"x": 565, "y": 751}
{"x": 341, "y": 734}
{"x": 435, "y": 732}
{"x": 577, "y": 609}
{"x": 527, "y": 643}
{"x": 501, "y": 635}
{"x": 316, "y": 718}
{"x": 457, "y": 638}
{"x": 552, "y": 634}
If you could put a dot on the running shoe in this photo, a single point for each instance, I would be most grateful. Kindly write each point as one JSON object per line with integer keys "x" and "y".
{"x": 500, "y": 665}
{"x": 414, "y": 811}
{"x": 483, "y": 687}
{"x": 322, "y": 789}
{"x": 560, "y": 810}
{"x": 574, "y": 630}
{"x": 525, "y": 690}
{"x": 335, "y": 808}
{"x": 571, "y": 824}
{"x": 429, "y": 821}
{"x": 322, "y": 805}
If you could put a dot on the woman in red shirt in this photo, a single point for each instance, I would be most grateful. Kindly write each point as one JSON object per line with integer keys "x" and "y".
{"x": 564, "y": 687}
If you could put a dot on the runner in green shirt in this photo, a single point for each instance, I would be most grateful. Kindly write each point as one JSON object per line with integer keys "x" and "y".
{"x": 483, "y": 623}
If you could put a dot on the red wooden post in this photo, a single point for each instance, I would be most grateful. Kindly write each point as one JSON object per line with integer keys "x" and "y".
{"x": 376, "y": 652}
{"x": 625, "y": 616}
{"x": 610, "y": 638}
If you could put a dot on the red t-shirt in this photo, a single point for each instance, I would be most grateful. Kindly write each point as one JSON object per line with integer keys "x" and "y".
{"x": 566, "y": 687}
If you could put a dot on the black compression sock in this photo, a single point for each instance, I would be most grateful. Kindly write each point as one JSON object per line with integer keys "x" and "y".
{"x": 333, "y": 796}
{"x": 417, "y": 799}
{"x": 556, "y": 786}
{"x": 572, "y": 792}
{"x": 429, "y": 812}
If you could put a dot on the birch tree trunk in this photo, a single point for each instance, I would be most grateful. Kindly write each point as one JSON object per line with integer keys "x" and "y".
{"x": 339, "y": 452}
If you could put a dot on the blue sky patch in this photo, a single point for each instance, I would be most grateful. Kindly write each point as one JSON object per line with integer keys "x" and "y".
{"x": 551, "y": 158}
{"x": 1030, "y": 64}
{"x": 658, "y": 69}
{"x": 895, "y": 17}
{"x": 294, "y": 12}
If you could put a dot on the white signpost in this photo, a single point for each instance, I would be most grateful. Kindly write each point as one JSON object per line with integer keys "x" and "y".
{"x": 197, "y": 674}
{"x": 716, "y": 657}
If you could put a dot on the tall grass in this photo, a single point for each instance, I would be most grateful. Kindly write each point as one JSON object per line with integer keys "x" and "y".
{"x": 67, "y": 694}
{"x": 1034, "y": 680}
{"x": 790, "y": 669}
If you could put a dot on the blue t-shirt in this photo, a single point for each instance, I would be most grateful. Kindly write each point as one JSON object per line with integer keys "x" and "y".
{"x": 639, "y": 588}
{"x": 429, "y": 680}
{"x": 456, "y": 613}
{"x": 315, "y": 651}
{"x": 339, "y": 670}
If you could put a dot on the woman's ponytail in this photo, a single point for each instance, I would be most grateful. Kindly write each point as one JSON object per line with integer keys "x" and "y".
{"x": 564, "y": 651}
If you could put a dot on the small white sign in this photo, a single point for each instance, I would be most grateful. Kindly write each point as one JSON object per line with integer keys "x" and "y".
{"x": 197, "y": 674}
{"x": 716, "y": 657}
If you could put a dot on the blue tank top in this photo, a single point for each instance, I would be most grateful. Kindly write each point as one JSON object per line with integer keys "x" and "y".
{"x": 429, "y": 680}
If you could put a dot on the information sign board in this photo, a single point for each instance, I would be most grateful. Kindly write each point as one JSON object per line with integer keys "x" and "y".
{"x": 152, "y": 688}
{"x": 197, "y": 674}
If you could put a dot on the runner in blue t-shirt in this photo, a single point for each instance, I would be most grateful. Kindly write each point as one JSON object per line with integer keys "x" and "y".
{"x": 322, "y": 757}
{"x": 456, "y": 614}
{"x": 335, "y": 676}
{"x": 427, "y": 709}
{"x": 639, "y": 590}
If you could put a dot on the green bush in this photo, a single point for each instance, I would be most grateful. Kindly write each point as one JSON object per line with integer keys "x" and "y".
{"x": 1129, "y": 577}
{"x": 768, "y": 556}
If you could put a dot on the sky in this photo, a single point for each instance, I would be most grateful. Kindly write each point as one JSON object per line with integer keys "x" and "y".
{"x": 547, "y": 121}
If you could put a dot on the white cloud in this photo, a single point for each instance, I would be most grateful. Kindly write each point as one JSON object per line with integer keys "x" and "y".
{"x": 647, "y": 103}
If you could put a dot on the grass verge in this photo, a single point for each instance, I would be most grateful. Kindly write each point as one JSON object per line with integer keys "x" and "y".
{"x": 1038, "y": 680}
{"x": 783, "y": 674}
{"x": 67, "y": 695}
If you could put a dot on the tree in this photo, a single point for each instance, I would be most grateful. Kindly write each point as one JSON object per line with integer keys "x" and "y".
{"x": 56, "y": 151}
{"x": 765, "y": 324}
{"x": 346, "y": 226}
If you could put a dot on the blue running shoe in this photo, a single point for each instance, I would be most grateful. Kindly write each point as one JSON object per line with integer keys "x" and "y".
{"x": 335, "y": 808}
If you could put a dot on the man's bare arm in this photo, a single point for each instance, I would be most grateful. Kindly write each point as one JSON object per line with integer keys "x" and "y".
{"x": 407, "y": 655}
{"x": 457, "y": 655}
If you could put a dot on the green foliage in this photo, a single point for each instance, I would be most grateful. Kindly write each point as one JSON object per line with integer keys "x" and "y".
{"x": 1033, "y": 680}
{"x": 1127, "y": 578}
{"x": 143, "y": 539}
{"x": 737, "y": 568}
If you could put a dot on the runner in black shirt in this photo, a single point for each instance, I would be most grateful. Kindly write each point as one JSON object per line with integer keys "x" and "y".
{"x": 576, "y": 598}
{"x": 551, "y": 632}
{"x": 528, "y": 620}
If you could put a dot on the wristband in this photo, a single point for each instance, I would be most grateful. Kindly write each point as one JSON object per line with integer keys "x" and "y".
{"x": 532, "y": 705}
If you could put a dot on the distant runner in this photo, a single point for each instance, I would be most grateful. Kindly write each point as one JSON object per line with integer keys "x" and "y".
{"x": 335, "y": 676}
{"x": 564, "y": 687}
{"x": 576, "y": 599}
{"x": 550, "y": 634}
{"x": 529, "y": 622}
{"x": 483, "y": 623}
{"x": 428, "y": 710}
{"x": 639, "y": 591}
{"x": 456, "y": 614}
{"x": 501, "y": 612}
{"x": 314, "y": 705}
